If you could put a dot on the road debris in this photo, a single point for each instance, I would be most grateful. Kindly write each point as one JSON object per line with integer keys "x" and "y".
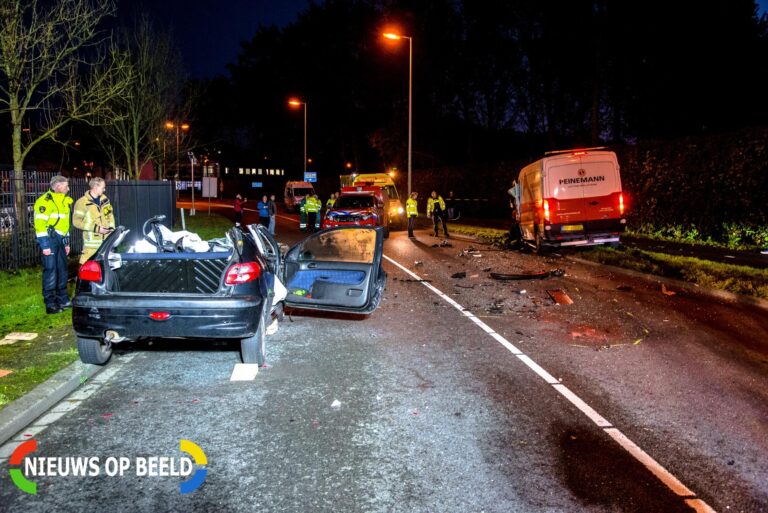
{"x": 463, "y": 286}
{"x": 460, "y": 275}
{"x": 667, "y": 292}
{"x": 336, "y": 404}
{"x": 487, "y": 270}
{"x": 624, "y": 288}
{"x": 475, "y": 276}
{"x": 418, "y": 263}
{"x": 528, "y": 275}
{"x": 4, "y": 372}
{"x": 560, "y": 297}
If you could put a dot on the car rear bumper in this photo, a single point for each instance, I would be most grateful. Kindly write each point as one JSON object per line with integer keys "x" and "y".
{"x": 129, "y": 316}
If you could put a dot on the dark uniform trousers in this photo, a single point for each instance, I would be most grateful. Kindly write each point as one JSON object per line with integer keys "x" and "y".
{"x": 55, "y": 272}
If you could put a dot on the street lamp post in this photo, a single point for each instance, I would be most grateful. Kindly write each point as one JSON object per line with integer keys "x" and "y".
{"x": 397, "y": 37}
{"x": 296, "y": 103}
{"x": 179, "y": 127}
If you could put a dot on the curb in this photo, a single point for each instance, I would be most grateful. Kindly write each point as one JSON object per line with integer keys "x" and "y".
{"x": 685, "y": 285}
{"x": 21, "y": 412}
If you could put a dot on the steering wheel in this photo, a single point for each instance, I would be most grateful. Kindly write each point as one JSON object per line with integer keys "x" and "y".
{"x": 153, "y": 224}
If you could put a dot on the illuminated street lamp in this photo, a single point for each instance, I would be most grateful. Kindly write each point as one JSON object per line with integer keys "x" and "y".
{"x": 293, "y": 102}
{"x": 397, "y": 37}
{"x": 179, "y": 127}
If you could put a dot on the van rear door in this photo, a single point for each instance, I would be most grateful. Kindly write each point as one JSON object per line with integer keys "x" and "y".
{"x": 585, "y": 187}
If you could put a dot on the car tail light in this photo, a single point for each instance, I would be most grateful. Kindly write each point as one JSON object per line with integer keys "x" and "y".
{"x": 160, "y": 316}
{"x": 621, "y": 203}
{"x": 242, "y": 273}
{"x": 546, "y": 210}
{"x": 90, "y": 271}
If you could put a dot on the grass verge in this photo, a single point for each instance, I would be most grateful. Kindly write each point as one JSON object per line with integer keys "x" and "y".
{"x": 732, "y": 278}
{"x": 34, "y": 361}
{"x": 206, "y": 226}
{"x": 484, "y": 234}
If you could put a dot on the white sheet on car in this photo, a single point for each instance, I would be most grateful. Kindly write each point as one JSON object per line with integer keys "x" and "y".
{"x": 189, "y": 241}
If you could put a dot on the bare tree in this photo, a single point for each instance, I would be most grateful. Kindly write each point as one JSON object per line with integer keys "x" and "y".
{"x": 54, "y": 68}
{"x": 138, "y": 134}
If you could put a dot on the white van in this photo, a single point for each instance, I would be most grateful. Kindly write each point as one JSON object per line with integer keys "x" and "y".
{"x": 571, "y": 198}
{"x": 295, "y": 192}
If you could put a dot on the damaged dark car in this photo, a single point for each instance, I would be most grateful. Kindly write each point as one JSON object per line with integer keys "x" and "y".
{"x": 172, "y": 284}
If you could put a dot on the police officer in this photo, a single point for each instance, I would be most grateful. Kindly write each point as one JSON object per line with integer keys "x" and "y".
{"x": 52, "y": 230}
{"x": 331, "y": 200}
{"x": 312, "y": 207}
{"x": 412, "y": 211}
{"x": 436, "y": 210}
{"x": 303, "y": 213}
{"x": 94, "y": 215}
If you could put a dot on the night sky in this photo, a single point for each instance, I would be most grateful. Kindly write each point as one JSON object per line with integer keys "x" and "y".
{"x": 208, "y": 32}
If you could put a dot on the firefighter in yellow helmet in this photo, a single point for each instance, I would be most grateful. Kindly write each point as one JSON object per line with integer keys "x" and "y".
{"x": 94, "y": 215}
{"x": 52, "y": 231}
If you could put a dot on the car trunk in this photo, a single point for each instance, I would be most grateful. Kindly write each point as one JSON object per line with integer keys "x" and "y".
{"x": 169, "y": 273}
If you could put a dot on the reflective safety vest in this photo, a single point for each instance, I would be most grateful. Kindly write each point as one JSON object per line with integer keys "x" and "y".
{"x": 313, "y": 205}
{"x": 329, "y": 203}
{"x": 411, "y": 207}
{"x": 89, "y": 216}
{"x": 51, "y": 211}
{"x": 431, "y": 202}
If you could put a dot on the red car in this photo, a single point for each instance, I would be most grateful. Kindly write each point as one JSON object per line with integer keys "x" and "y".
{"x": 359, "y": 206}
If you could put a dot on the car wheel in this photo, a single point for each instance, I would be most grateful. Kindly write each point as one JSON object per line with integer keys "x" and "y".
{"x": 93, "y": 350}
{"x": 253, "y": 349}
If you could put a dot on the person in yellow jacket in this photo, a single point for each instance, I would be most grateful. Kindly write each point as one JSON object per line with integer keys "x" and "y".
{"x": 52, "y": 231}
{"x": 412, "y": 211}
{"x": 313, "y": 206}
{"x": 331, "y": 201}
{"x": 94, "y": 215}
{"x": 436, "y": 210}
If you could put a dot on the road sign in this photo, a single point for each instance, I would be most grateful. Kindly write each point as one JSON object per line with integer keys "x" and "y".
{"x": 209, "y": 187}
{"x": 310, "y": 176}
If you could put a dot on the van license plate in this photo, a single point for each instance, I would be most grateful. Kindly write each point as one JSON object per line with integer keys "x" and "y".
{"x": 573, "y": 228}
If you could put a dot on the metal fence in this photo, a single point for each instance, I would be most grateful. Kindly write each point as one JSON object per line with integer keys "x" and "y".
{"x": 133, "y": 203}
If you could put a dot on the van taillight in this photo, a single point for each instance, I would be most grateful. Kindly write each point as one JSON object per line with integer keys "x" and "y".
{"x": 242, "y": 273}
{"x": 621, "y": 203}
{"x": 90, "y": 271}
{"x": 546, "y": 210}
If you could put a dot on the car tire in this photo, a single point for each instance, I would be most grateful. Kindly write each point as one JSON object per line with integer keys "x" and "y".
{"x": 253, "y": 349}
{"x": 93, "y": 350}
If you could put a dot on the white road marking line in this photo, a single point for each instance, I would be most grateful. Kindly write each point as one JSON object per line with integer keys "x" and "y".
{"x": 640, "y": 455}
{"x": 660, "y": 472}
{"x": 581, "y": 405}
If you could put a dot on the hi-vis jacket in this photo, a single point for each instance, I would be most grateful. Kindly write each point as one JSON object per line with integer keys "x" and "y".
{"x": 90, "y": 215}
{"x": 431, "y": 205}
{"x": 313, "y": 205}
{"x": 411, "y": 207}
{"x": 52, "y": 211}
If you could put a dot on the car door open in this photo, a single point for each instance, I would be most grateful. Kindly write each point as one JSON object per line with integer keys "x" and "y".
{"x": 337, "y": 270}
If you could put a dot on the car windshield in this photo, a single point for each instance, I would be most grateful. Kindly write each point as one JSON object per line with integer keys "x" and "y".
{"x": 354, "y": 202}
{"x": 302, "y": 192}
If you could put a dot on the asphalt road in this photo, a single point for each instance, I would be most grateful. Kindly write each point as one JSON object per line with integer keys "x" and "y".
{"x": 467, "y": 396}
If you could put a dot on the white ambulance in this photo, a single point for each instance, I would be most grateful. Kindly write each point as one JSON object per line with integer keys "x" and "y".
{"x": 295, "y": 192}
{"x": 571, "y": 198}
